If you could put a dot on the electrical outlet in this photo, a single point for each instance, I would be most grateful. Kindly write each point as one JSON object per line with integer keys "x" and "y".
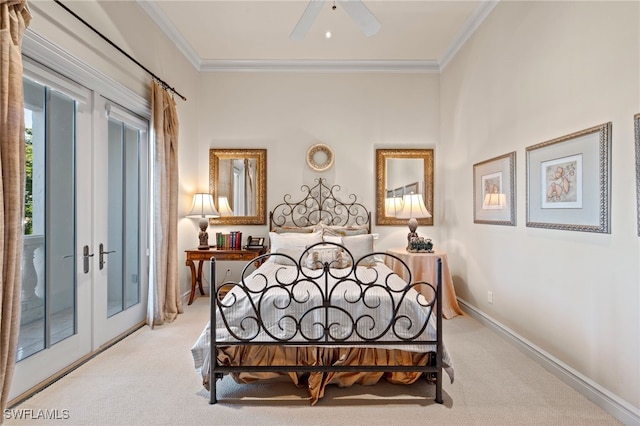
{"x": 490, "y": 296}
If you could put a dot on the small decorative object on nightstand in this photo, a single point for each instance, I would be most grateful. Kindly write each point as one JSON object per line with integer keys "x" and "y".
{"x": 413, "y": 208}
{"x": 203, "y": 208}
{"x": 420, "y": 245}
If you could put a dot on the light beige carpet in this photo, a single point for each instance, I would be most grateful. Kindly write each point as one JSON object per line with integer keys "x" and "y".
{"x": 148, "y": 379}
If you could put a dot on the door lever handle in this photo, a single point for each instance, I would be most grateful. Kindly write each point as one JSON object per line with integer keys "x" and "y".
{"x": 85, "y": 259}
{"x": 101, "y": 260}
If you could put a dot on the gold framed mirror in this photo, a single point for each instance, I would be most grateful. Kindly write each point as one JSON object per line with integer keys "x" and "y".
{"x": 238, "y": 183}
{"x": 400, "y": 172}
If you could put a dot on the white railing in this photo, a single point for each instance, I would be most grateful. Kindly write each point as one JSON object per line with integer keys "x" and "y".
{"x": 32, "y": 267}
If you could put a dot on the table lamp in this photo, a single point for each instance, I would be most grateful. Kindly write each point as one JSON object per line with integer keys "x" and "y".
{"x": 223, "y": 206}
{"x": 392, "y": 206}
{"x": 203, "y": 208}
{"x": 413, "y": 208}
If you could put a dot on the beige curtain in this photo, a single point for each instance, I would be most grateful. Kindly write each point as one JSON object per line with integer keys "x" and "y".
{"x": 14, "y": 18}
{"x": 164, "y": 292}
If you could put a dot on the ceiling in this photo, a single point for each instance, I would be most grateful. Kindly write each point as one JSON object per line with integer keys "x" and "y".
{"x": 415, "y": 35}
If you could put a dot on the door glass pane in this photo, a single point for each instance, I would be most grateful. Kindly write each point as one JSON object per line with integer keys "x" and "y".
{"x": 132, "y": 196}
{"x": 48, "y": 272}
{"x": 60, "y": 208}
{"x": 115, "y": 230}
{"x": 123, "y": 217}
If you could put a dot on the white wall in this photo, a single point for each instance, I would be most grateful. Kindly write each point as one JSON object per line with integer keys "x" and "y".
{"x": 535, "y": 71}
{"x": 286, "y": 113}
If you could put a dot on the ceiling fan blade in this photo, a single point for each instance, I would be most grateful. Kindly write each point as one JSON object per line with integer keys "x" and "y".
{"x": 306, "y": 20}
{"x": 362, "y": 16}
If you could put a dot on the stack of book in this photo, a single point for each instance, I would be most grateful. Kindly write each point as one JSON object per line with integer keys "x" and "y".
{"x": 230, "y": 241}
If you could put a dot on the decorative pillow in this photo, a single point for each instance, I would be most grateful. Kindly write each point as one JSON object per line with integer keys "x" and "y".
{"x": 294, "y": 229}
{"x": 334, "y": 256}
{"x": 293, "y": 242}
{"x": 359, "y": 246}
{"x": 345, "y": 231}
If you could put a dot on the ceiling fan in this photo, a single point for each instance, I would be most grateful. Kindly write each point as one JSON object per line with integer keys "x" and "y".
{"x": 356, "y": 9}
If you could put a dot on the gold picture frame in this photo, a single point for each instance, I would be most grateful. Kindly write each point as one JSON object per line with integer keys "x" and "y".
{"x": 222, "y": 173}
{"x": 420, "y": 170}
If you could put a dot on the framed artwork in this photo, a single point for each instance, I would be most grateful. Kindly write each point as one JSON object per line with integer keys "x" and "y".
{"x": 636, "y": 126}
{"x": 569, "y": 181}
{"x": 494, "y": 191}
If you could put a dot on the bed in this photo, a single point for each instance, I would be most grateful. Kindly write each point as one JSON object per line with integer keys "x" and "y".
{"x": 323, "y": 308}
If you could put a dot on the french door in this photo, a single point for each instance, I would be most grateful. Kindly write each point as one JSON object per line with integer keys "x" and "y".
{"x": 120, "y": 224}
{"x": 85, "y": 261}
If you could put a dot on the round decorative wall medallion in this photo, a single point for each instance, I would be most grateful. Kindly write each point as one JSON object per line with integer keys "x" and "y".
{"x": 319, "y": 157}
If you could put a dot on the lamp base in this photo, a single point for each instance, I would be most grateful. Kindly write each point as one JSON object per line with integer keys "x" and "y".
{"x": 413, "y": 225}
{"x": 203, "y": 235}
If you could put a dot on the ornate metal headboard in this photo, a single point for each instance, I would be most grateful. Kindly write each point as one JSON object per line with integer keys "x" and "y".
{"x": 320, "y": 204}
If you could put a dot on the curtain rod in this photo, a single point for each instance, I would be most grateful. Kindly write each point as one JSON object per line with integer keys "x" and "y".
{"x": 162, "y": 82}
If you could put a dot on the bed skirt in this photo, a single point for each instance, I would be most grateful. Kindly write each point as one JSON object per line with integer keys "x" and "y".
{"x": 274, "y": 355}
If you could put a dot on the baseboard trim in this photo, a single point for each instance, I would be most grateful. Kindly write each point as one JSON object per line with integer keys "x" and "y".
{"x": 600, "y": 396}
{"x": 184, "y": 298}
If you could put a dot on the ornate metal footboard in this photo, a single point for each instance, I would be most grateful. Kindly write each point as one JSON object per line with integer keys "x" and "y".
{"x": 326, "y": 307}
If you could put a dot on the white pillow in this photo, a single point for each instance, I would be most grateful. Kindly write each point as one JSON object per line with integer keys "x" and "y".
{"x": 292, "y": 244}
{"x": 359, "y": 246}
{"x": 331, "y": 239}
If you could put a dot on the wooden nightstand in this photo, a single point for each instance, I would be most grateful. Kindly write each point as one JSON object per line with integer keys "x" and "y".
{"x": 201, "y": 256}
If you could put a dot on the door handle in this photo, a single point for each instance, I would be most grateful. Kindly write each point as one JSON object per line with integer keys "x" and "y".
{"x": 85, "y": 259}
{"x": 101, "y": 260}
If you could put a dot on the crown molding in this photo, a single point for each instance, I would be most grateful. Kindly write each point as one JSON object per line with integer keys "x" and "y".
{"x": 257, "y": 65}
{"x": 470, "y": 27}
{"x": 158, "y": 16}
{"x": 319, "y": 66}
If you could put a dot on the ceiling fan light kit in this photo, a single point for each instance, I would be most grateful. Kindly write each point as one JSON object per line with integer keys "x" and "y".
{"x": 356, "y": 9}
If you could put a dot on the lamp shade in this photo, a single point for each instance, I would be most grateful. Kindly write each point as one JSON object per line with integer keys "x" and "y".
{"x": 223, "y": 206}
{"x": 413, "y": 207}
{"x": 392, "y": 206}
{"x": 494, "y": 201}
{"x": 203, "y": 206}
